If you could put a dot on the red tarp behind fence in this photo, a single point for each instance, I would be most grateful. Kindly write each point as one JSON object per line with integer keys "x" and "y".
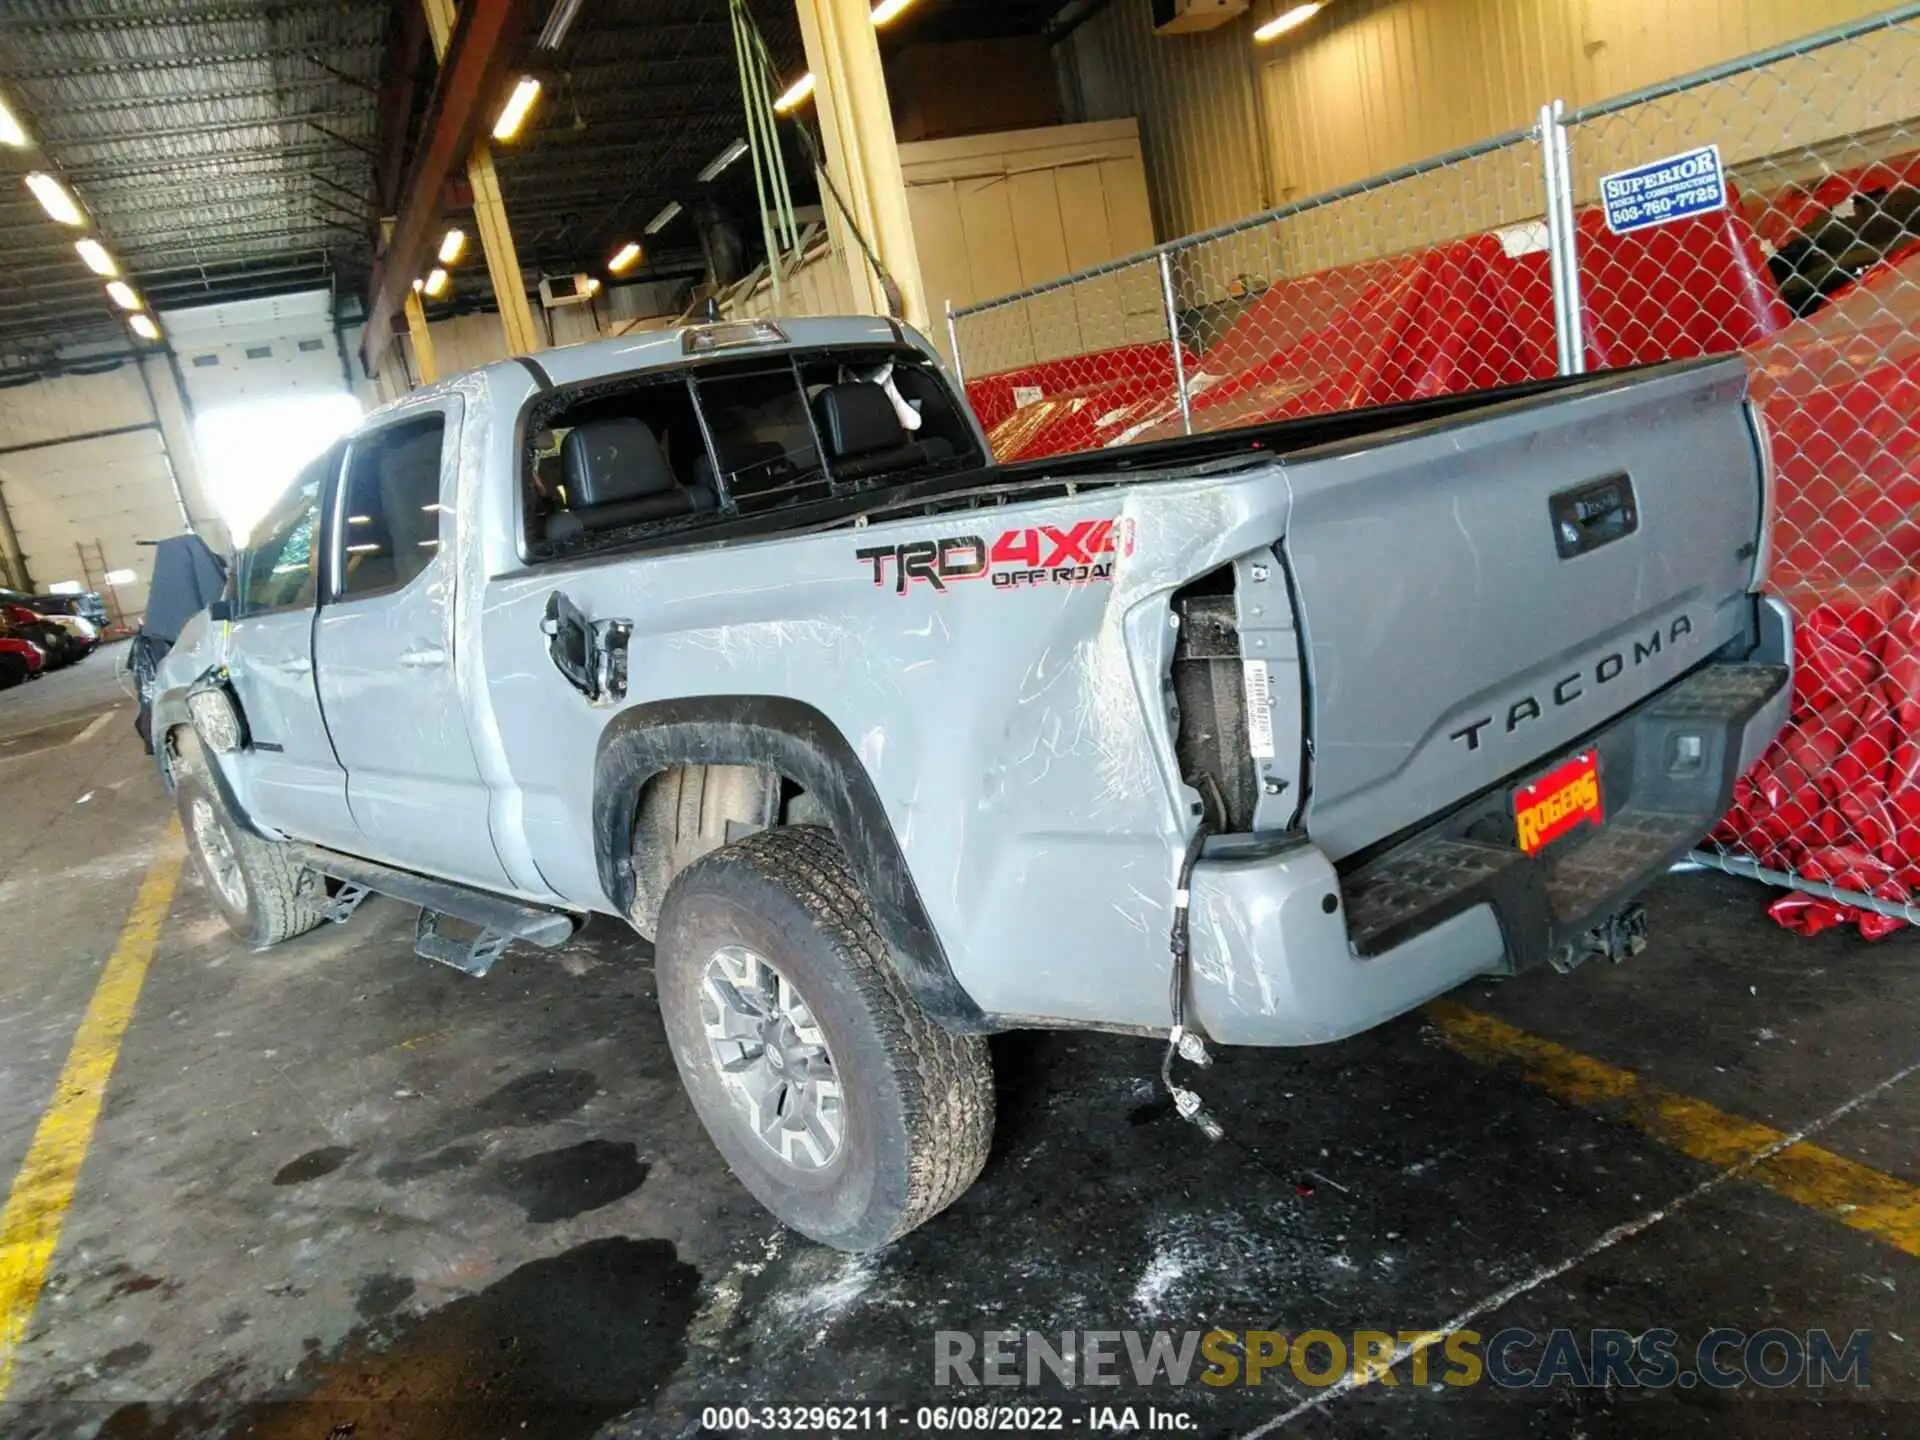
{"x": 1837, "y": 798}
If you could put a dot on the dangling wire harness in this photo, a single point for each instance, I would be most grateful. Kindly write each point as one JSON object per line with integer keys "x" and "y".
{"x": 1182, "y": 1043}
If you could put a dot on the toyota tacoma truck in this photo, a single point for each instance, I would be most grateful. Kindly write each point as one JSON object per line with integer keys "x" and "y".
{"x": 734, "y": 633}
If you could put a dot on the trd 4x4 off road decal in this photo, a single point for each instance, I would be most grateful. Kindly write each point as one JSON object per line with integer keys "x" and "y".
{"x": 1038, "y": 555}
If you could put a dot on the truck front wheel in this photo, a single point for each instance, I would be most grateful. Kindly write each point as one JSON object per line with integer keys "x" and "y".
{"x": 262, "y": 894}
{"x": 844, "y": 1109}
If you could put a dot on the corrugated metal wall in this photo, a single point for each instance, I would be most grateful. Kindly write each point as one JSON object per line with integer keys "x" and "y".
{"x": 1368, "y": 85}
{"x": 1373, "y": 84}
{"x": 1196, "y": 100}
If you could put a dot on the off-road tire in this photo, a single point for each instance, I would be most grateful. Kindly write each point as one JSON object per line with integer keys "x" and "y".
{"x": 280, "y": 897}
{"x": 918, "y": 1101}
{"x": 682, "y": 815}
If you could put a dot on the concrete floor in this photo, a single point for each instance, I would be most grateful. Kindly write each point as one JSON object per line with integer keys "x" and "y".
{"x": 337, "y": 1191}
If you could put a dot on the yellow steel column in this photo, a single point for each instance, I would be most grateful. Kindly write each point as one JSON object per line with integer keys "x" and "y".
{"x": 422, "y": 338}
{"x": 503, "y": 260}
{"x": 862, "y": 155}
{"x": 490, "y": 216}
{"x": 417, "y": 331}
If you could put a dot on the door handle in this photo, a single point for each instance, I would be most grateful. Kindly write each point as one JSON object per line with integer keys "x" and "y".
{"x": 300, "y": 666}
{"x": 422, "y": 658}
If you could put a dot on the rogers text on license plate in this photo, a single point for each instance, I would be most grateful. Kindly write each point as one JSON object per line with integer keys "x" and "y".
{"x": 1566, "y": 797}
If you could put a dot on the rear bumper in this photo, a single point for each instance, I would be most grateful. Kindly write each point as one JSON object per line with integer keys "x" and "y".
{"x": 1287, "y": 950}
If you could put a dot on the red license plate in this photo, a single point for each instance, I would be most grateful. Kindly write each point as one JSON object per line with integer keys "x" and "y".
{"x": 1562, "y": 800}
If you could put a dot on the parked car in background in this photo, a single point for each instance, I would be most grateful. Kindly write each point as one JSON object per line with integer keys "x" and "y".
{"x": 86, "y": 604}
{"x": 82, "y": 635}
{"x": 44, "y": 631}
{"x": 19, "y": 659}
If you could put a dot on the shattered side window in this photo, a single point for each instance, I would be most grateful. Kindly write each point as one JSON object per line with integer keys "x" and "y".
{"x": 280, "y": 568}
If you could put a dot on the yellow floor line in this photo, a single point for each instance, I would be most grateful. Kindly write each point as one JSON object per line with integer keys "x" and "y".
{"x": 42, "y": 1191}
{"x": 1845, "y": 1190}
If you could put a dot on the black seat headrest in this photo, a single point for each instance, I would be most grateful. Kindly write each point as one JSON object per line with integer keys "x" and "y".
{"x": 607, "y": 461}
{"x": 857, "y": 419}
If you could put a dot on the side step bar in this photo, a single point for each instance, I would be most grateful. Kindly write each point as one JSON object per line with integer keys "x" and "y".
{"x": 500, "y": 919}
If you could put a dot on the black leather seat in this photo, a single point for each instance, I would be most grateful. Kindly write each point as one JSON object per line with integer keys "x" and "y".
{"x": 617, "y": 475}
{"x": 864, "y": 436}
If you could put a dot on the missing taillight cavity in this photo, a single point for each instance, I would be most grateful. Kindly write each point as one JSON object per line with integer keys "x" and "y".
{"x": 1209, "y": 687}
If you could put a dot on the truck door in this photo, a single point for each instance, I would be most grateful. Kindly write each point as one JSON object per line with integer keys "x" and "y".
{"x": 384, "y": 652}
{"x": 288, "y": 777}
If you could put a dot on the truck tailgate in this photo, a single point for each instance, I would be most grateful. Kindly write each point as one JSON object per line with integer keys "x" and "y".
{"x": 1477, "y": 594}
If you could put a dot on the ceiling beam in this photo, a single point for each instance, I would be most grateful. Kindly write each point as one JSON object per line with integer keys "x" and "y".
{"x": 394, "y": 111}
{"x": 468, "y": 87}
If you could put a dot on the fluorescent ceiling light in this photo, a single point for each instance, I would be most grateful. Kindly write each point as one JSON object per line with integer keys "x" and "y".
{"x": 1288, "y": 20}
{"x": 123, "y": 295}
{"x": 54, "y": 199}
{"x": 725, "y": 158}
{"x": 664, "y": 218}
{"x": 514, "y": 113}
{"x": 796, "y": 95}
{"x": 144, "y": 327}
{"x": 96, "y": 256}
{"x": 12, "y": 132}
{"x": 453, "y": 246}
{"x": 593, "y": 285}
{"x": 436, "y": 281}
{"x": 624, "y": 257}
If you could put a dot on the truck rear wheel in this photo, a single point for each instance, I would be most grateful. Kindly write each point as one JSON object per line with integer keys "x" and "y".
{"x": 262, "y": 894}
{"x": 847, "y": 1112}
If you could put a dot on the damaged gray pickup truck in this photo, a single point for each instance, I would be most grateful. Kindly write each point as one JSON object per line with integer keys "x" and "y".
{"x": 734, "y": 633}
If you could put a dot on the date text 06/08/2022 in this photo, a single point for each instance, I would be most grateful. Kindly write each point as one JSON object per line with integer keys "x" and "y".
{"x": 980, "y": 1419}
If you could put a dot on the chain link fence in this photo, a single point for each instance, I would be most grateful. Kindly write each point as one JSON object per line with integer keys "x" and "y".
{"x": 1497, "y": 263}
{"x": 1813, "y": 271}
{"x": 1430, "y": 279}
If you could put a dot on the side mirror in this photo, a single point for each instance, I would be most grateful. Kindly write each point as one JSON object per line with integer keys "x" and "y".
{"x": 220, "y": 611}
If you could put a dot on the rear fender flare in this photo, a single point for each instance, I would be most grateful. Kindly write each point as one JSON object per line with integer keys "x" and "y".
{"x": 799, "y": 743}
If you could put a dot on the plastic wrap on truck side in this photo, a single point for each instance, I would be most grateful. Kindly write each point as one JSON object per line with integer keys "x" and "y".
{"x": 999, "y": 673}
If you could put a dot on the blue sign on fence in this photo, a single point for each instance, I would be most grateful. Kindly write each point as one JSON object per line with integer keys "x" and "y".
{"x": 1670, "y": 189}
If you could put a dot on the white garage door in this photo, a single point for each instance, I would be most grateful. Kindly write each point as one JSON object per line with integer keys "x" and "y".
{"x": 83, "y": 468}
{"x": 268, "y": 390}
{"x": 257, "y": 349}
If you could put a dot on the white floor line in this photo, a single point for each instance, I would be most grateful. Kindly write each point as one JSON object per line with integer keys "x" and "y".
{"x": 98, "y": 723}
{"x": 1624, "y": 1231}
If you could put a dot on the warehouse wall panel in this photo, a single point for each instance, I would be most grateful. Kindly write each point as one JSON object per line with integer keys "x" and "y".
{"x": 1370, "y": 85}
{"x": 1196, "y": 100}
{"x": 114, "y": 489}
{"x": 1230, "y": 127}
{"x": 996, "y": 213}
